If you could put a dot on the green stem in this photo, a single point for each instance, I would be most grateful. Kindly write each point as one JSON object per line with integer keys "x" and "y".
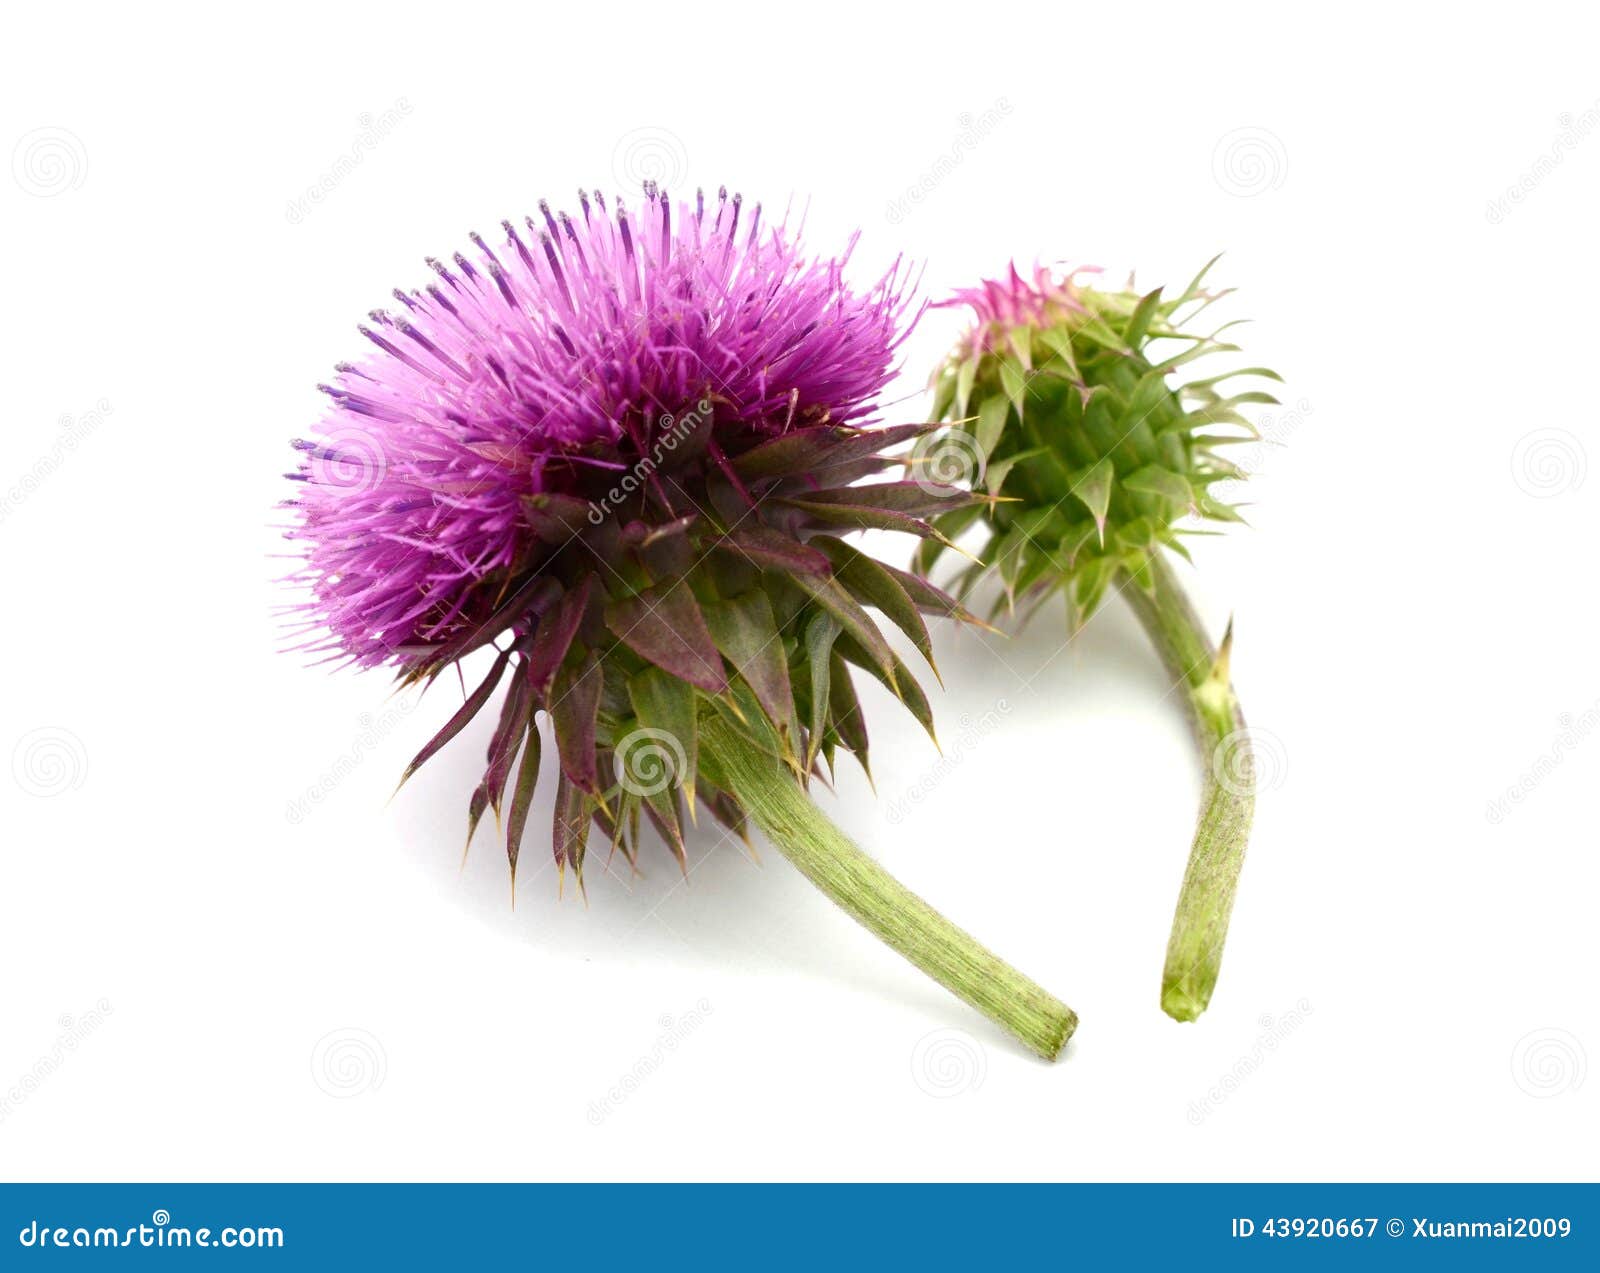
{"x": 767, "y": 790}
{"x": 1205, "y": 900}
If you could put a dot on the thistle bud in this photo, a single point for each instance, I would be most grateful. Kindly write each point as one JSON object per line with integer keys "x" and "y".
{"x": 1078, "y": 406}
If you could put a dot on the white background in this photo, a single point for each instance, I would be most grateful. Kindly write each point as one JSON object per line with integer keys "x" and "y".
{"x": 1409, "y": 990}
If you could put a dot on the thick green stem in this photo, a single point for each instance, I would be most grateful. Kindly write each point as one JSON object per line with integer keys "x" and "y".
{"x": 802, "y": 833}
{"x": 1205, "y": 901}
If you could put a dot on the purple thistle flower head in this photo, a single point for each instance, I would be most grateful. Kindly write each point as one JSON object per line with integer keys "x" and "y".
{"x": 552, "y": 363}
{"x": 621, "y": 445}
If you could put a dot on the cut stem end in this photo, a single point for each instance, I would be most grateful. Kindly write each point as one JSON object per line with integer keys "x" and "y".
{"x": 1205, "y": 899}
{"x": 876, "y": 900}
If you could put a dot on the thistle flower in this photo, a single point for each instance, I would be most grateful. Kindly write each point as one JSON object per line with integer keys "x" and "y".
{"x": 620, "y": 446}
{"x": 1067, "y": 405}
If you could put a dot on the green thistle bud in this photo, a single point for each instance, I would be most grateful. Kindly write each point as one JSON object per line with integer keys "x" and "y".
{"x": 1077, "y": 410}
{"x": 1081, "y": 418}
